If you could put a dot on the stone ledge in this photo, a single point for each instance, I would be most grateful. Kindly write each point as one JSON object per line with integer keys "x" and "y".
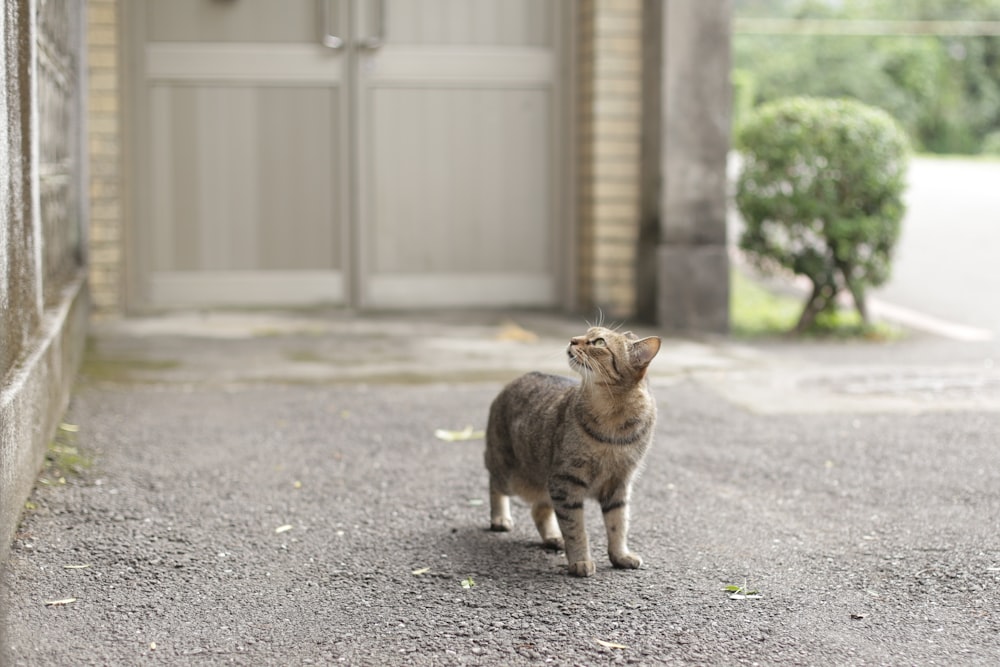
{"x": 33, "y": 397}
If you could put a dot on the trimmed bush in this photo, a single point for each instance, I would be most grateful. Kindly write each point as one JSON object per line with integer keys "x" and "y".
{"x": 821, "y": 192}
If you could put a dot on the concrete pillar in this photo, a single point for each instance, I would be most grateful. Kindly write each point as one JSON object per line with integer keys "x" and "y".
{"x": 685, "y": 266}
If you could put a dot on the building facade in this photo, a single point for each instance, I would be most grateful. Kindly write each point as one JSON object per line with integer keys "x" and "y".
{"x": 408, "y": 154}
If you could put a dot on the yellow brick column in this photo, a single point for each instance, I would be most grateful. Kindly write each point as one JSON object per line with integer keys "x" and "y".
{"x": 609, "y": 141}
{"x": 106, "y": 240}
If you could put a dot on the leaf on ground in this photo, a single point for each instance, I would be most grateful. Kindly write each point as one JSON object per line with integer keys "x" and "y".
{"x": 452, "y": 436}
{"x": 76, "y": 567}
{"x": 475, "y": 502}
{"x": 515, "y": 332}
{"x": 60, "y": 603}
{"x": 741, "y": 593}
{"x": 69, "y": 428}
{"x": 283, "y": 529}
{"x": 610, "y": 644}
{"x": 420, "y": 570}
{"x": 468, "y": 582}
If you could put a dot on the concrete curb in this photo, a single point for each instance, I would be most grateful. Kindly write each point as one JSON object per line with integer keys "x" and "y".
{"x": 33, "y": 398}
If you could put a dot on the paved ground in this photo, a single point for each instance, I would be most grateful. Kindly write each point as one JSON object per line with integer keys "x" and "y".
{"x": 268, "y": 490}
{"x": 945, "y": 263}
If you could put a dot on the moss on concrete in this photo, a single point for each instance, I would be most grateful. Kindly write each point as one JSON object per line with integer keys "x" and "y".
{"x": 120, "y": 370}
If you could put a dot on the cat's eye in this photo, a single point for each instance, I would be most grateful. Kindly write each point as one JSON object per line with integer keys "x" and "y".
{"x": 599, "y": 342}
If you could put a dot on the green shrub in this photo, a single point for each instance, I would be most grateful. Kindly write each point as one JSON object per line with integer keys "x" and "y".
{"x": 820, "y": 193}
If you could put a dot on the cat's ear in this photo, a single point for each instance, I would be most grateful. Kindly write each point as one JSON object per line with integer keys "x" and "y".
{"x": 644, "y": 350}
{"x": 631, "y": 337}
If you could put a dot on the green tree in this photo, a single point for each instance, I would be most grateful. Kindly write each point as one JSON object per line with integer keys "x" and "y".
{"x": 944, "y": 89}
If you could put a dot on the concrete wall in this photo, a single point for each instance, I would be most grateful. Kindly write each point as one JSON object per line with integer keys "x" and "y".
{"x": 43, "y": 308}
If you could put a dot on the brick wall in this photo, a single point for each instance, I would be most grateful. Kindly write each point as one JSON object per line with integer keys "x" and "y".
{"x": 609, "y": 120}
{"x": 106, "y": 247}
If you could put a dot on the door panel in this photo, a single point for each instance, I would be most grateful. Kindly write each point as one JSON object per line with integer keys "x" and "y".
{"x": 245, "y": 167}
{"x": 440, "y": 219}
{"x": 458, "y": 191}
{"x": 225, "y": 197}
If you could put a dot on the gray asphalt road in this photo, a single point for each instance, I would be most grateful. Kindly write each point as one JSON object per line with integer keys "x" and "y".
{"x": 947, "y": 262}
{"x": 267, "y": 524}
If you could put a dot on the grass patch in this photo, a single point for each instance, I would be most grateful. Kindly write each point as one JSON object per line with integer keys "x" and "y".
{"x": 756, "y": 312}
{"x": 957, "y": 157}
{"x": 63, "y": 458}
{"x": 847, "y": 324}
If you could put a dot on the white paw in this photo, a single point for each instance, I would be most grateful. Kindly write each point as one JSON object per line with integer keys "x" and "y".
{"x": 502, "y": 525}
{"x": 628, "y": 561}
{"x": 582, "y": 568}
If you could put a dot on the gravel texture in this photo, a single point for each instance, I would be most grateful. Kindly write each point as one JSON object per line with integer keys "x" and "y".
{"x": 287, "y": 524}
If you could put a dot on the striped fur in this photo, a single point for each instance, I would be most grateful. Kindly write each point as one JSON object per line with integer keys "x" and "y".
{"x": 557, "y": 442}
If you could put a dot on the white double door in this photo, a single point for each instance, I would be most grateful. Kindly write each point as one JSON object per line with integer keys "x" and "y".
{"x": 379, "y": 153}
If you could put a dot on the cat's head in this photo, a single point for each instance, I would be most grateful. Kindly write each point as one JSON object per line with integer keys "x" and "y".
{"x": 604, "y": 356}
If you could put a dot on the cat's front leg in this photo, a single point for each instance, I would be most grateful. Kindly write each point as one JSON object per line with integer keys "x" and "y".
{"x": 567, "y": 492}
{"x": 614, "y": 506}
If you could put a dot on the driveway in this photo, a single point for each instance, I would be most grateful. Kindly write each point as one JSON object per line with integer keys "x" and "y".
{"x": 311, "y": 516}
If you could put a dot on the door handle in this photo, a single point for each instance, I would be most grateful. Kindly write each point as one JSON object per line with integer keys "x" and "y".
{"x": 375, "y": 40}
{"x": 325, "y": 38}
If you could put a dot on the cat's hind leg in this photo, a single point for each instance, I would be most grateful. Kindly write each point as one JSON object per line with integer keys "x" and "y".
{"x": 548, "y": 526}
{"x": 500, "y": 520}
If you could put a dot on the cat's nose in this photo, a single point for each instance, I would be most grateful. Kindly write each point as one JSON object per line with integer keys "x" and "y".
{"x": 578, "y": 340}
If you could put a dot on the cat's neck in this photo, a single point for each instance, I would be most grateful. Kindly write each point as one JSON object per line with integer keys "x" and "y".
{"x": 614, "y": 399}
{"x": 593, "y": 387}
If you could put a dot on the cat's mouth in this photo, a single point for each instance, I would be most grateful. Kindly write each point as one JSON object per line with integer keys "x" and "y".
{"x": 575, "y": 361}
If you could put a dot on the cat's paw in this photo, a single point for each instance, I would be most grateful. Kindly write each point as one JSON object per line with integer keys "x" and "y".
{"x": 582, "y": 568}
{"x": 501, "y": 525}
{"x": 627, "y": 561}
{"x": 554, "y": 543}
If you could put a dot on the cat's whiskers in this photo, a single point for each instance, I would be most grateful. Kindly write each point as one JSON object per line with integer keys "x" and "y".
{"x": 606, "y": 381}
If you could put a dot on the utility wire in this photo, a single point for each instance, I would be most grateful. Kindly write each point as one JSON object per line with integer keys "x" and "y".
{"x": 863, "y": 27}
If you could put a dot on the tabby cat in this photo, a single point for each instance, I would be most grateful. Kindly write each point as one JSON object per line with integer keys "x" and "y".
{"x": 555, "y": 442}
